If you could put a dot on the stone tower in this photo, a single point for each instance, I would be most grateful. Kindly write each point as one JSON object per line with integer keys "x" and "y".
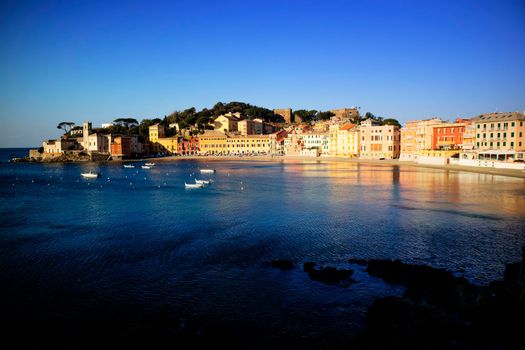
{"x": 286, "y": 113}
{"x": 86, "y": 130}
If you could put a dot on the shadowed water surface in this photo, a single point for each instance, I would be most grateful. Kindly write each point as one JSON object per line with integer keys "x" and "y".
{"x": 135, "y": 243}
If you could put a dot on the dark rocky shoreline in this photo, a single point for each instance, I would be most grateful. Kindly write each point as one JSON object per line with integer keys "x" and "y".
{"x": 437, "y": 311}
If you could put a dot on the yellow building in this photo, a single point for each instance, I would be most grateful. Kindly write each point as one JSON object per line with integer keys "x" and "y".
{"x": 408, "y": 139}
{"x": 378, "y": 141}
{"x": 333, "y": 133}
{"x": 347, "y": 142}
{"x": 212, "y": 143}
{"x": 248, "y": 144}
{"x": 160, "y": 143}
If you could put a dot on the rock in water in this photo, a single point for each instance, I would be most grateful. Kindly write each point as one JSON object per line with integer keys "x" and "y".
{"x": 329, "y": 275}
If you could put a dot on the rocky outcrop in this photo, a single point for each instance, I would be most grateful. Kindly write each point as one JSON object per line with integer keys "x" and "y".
{"x": 441, "y": 311}
{"x": 329, "y": 275}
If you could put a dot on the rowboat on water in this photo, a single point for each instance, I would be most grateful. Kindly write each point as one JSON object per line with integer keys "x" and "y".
{"x": 90, "y": 175}
{"x": 196, "y": 185}
{"x": 204, "y": 182}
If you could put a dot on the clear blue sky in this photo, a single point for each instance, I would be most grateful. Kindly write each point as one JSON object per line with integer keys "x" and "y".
{"x": 100, "y": 60}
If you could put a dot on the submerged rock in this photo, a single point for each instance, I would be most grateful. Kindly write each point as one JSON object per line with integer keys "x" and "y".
{"x": 283, "y": 264}
{"x": 329, "y": 275}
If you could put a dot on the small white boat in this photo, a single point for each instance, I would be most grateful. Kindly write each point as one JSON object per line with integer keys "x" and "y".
{"x": 129, "y": 166}
{"x": 90, "y": 175}
{"x": 207, "y": 171}
{"x": 149, "y": 164}
{"x": 146, "y": 167}
{"x": 197, "y": 185}
{"x": 204, "y": 182}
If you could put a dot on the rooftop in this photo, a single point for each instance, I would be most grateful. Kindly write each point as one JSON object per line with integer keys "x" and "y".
{"x": 499, "y": 116}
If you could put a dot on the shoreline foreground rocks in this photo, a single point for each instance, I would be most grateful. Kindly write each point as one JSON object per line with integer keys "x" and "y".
{"x": 441, "y": 311}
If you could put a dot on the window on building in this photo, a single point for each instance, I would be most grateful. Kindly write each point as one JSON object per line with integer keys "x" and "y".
{"x": 512, "y": 144}
{"x": 512, "y": 124}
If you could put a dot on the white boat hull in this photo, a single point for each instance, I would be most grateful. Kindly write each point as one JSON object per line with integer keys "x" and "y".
{"x": 197, "y": 185}
{"x": 90, "y": 175}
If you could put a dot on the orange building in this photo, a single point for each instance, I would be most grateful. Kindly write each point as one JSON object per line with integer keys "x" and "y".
{"x": 188, "y": 146}
{"x": 121, "y": 147}
{"x": 448, "y": 136}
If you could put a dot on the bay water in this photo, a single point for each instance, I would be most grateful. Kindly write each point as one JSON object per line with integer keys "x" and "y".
{"x": 134, "y": 245}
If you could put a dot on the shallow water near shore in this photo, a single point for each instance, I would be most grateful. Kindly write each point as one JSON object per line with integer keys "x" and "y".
{"x": 135, "y": 243}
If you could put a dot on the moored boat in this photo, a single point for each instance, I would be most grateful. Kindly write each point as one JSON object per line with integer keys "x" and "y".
{"x": 149, "y": 164}
{"x": 90, "y": 175}
{"x": 204, "y": 182}
{"x": 196, "y": 185}
{"x": 146, "y": 167}
{"x": 207, "y": 171}
{"x": 129, "y": 166}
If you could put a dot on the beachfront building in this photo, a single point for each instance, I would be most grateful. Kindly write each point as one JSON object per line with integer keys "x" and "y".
{"x": 417, "y": 136}
{"x": 124, "y": 146}
{"x": 317, "y": 141}
{"x": 469, "y": 137}
{"x": 248, "y": 144}
{"x": 276, "y": 140}
{"x": 188, "y": 146}
{"x": 346, "y": 141}
{"x": 227, "y": 122}
{"x": 94, "y": 141}
{"x": 293, "y": 144}
{"x": 59, "y": 145}
{"x": 212, "y": 142}
{"x": 378, "y": 141}
{"x": 448, "y": 136}
{"x": 160, "y": 144}
{"x": 500, "y": 136}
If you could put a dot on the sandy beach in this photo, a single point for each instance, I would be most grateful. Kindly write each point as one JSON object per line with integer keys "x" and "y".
{"x": 449, "y": 167}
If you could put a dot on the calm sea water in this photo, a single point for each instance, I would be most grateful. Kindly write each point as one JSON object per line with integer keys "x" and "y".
{"x": 134, "y": 243}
